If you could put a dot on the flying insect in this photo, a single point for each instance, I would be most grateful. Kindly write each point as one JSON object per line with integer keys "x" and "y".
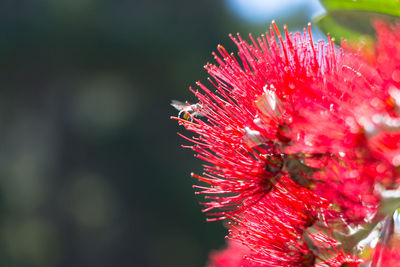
{"x": 187, "y": 111}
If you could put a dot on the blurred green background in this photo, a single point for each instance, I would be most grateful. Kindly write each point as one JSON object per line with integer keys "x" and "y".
{"x": 91, "y": 172}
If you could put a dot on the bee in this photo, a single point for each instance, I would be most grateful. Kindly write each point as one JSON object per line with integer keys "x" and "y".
{"x": 187, "y": 111}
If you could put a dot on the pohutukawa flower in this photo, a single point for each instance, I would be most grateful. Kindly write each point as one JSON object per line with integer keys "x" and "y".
{"x": 385, "y": 255}
{"x": 273, "y": 228}
{"x": 233, "y": 255}
{"x": 247, "y": 120}
{"x": 282, "y": 101}
{"x": 387, "y": 58}
{"x": 297, "y": 137}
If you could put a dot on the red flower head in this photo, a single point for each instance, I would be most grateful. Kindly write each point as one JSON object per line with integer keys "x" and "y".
{"x": 386, "y": 255}
{"x": 231, "y": 256}
{"x": 387, "y": 57}
{"x": 385, "y": 142}
{"x": 295, "y": 136}
{"x": 275, "y": 108}
{"x": 273, "y": 228}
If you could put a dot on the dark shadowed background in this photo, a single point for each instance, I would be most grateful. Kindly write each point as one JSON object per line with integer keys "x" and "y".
{"x": 91, "y": 172}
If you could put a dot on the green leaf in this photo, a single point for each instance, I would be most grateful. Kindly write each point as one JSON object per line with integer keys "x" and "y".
{"x": 352, "y": 25}
{"x": 358, "y": 20}
{"x": 389, "y": 7}
{"x": 328, "y": 24}
{"x": 389, "y": 205}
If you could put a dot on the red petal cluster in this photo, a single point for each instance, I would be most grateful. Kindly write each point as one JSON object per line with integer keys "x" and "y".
{"x": 231, "y": 256}
{"x": 273, "y": 229}
{"x": 293, "y": 134}
{"x": 386, "y": 255}
{"x": 387, "y": 55}
{"x": 280, "y": 99}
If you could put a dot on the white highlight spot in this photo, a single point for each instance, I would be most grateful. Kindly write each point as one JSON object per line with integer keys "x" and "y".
{"x": 396, "y": 161}
{"x": 270, "y": 96}
{"x": 395, "y": 93}
{"x": 253, "y": 136}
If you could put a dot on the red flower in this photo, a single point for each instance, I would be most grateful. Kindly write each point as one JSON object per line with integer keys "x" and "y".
{"x": 274, "y": 109}
{"x": 386, "y": 142}
{"x": 273, "y": 228}
{"x": 295, "y": 135}
{"x": 349, "y": 182}
{"x": 231, "y": 256}
{"x": 386, "y": 255}
{"x": 259, "y": 112}
{"x": 387, "y": 56}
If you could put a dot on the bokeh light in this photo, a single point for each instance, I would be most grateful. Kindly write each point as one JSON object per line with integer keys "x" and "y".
{"x": 262, "y": 11}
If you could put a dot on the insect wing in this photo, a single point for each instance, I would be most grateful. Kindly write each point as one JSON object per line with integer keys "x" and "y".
{"x": 178, "y": 105}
